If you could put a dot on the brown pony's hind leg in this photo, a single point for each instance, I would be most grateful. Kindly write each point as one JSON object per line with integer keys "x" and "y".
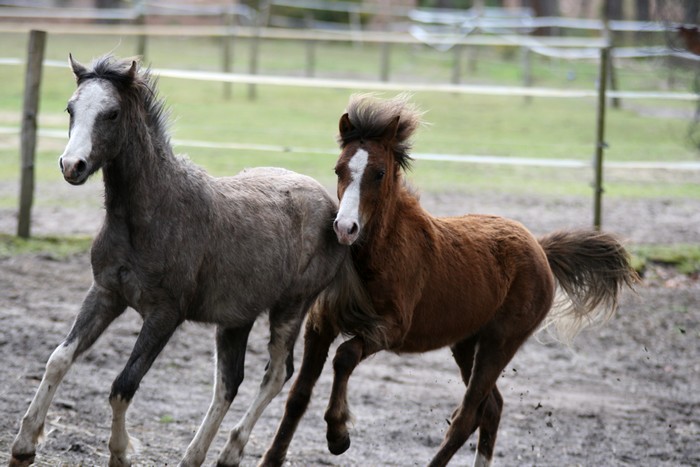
{"x": 488, "y": 428}
{"x": 489, "y": 413}
{"x": 317, "y": 341}
{"x": 482, "y": 402}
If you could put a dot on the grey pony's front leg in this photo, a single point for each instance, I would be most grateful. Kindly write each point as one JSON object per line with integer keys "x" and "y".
{"x": 97, "y": 312}
{"x": 230, "y": 359}
{"x": 158, "y": 327}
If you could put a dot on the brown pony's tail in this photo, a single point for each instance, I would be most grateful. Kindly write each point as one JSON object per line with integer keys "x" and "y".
{"x": 591, "y": 268}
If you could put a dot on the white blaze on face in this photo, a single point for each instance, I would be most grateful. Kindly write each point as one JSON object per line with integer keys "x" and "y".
{"x": 93, "y": 98}
{"x": 347, "y": 222}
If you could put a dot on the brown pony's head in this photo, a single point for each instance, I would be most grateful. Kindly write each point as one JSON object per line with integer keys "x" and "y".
{"x": 374, "y": 139}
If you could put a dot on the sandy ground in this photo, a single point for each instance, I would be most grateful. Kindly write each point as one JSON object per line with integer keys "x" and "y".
{"x": 625, "y": 394}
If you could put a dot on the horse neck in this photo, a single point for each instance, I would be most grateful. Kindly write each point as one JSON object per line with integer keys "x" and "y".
{"x": 139, "y": 178}
{"x": 397, "y": 215}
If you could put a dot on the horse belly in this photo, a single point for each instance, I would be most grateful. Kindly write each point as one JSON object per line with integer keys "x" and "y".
{"x": 438, "y": 325}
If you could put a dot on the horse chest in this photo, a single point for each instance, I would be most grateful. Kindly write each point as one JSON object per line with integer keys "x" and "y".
{"x": 140, "y": 285}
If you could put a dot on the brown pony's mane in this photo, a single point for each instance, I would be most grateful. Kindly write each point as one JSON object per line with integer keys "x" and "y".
{"x": 137, "y": 85}
{"x": 370, "y": 117}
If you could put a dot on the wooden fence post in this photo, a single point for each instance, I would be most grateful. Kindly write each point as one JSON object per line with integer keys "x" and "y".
{"x": 385, "y": 56}
{"x": 227, "y": 49}
{"x": 141, "y": 39}
{"x": 600, "y": 143}
{"x": 526, "y": 63}
{"x": 310, "y": 58}
{"x": 32, "y": 81}
{"x": 456, "y": 64}
{"x": 261, "y": 22}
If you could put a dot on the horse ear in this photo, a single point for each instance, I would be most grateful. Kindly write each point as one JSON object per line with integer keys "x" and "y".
{"x": 392, "y": 129}
{"x": 345, "y": 125}
{"x": 133, "y": 69}
{"x": 78, "y": 69}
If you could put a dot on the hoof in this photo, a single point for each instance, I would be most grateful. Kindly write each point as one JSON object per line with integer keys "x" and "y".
{"x": 119, "y": 461}
{"x": 340, "y": 445}
{"x": 271, "y": 461}
{"x": 21, "y": 460}
{"x": 266, "y": 461}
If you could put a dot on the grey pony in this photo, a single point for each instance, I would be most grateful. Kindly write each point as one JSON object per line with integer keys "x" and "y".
{"x": 178, "y": 244}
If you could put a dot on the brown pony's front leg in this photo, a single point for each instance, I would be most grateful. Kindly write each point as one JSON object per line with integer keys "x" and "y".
{"x": 349, "y": 354}
{"x": 347, "y": 357}
{"x": 317, "y": 341}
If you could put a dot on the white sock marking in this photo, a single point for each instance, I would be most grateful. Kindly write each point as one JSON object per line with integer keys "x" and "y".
{"x": 33, "y": 422}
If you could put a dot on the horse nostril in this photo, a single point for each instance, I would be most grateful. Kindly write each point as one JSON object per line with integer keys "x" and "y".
{"x": 346, "y": 228}
{"x": 80, "y": 166}
{"x": 60, "y": 163}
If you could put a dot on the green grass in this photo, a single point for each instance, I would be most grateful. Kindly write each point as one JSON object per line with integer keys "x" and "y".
{"x": 167, "y": 419}
{"x": 684, "y": 257}
{"x": 54, "y": 247}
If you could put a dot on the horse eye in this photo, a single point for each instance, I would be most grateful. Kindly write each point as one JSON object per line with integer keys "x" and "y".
{"x": 69, "y": 111}
{"x": 379, "y": 175}
{"x": 112, "y": 115}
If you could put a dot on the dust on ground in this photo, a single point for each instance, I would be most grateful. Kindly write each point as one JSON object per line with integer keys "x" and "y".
{"x": 624, "y": 394}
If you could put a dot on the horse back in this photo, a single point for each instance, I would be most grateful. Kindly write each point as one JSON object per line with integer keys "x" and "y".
{"x": 273, "y": 241}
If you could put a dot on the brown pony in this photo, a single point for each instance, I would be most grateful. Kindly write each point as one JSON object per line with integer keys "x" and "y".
{"x": 478, "y": 284}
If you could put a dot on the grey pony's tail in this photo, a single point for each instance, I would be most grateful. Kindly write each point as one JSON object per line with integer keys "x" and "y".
{"x": 591, "y": 268}
{"x": 347, "y": 306}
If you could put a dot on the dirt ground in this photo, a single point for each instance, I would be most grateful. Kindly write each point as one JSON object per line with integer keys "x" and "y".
{"x": 625, "y": 394}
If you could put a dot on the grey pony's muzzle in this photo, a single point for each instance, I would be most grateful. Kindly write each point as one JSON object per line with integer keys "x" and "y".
{"x": 74, "y": 169}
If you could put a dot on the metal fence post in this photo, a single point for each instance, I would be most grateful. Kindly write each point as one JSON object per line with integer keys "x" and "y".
{"x": 600, "y": 144}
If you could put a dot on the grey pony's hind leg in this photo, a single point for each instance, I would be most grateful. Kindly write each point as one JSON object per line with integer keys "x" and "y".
{"x": 100, "y": 307}
{"x": 285, "y": 323}
{"x": 317, "y": 341}
{"x": 158, "y": 327}
{"x": 230, "y": 359}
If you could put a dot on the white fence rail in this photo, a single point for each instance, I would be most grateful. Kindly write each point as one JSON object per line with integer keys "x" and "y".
{"x": 364, "y": 85}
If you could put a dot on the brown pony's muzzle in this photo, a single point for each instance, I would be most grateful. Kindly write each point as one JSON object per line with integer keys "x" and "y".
{"x": 346, "y": 230}
{"x": 74, "y": 169}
